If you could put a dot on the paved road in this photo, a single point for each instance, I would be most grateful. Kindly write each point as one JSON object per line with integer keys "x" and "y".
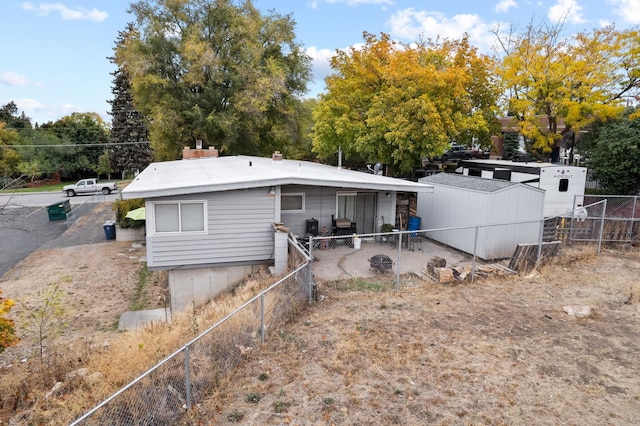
{"x": 43, "y": 199}
{"x": 25, "y": 226}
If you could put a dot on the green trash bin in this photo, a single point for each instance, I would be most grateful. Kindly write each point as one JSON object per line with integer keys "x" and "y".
{"x": 59, "y": 211}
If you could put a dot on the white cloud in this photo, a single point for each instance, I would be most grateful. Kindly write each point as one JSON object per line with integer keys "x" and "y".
{"x": 79, "y": 14}
{"x": 412, "y": 24}
{"x": 568, "y": 10}
{"x": 503, "y": 6}
{"x": 320, "y": 62}
{"x": 41, "y": 113}
{"x": 13, "y": 79}
{"x": 628, "y": 10}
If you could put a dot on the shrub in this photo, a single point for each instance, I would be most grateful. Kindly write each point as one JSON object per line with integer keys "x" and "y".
{"x": 122, "y": 207}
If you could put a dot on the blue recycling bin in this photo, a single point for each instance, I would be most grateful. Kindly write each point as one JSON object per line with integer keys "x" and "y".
{"x": 109, "y": 230}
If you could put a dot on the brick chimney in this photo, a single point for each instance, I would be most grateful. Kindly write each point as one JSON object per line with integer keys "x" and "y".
{"x": 276, "y": 156}
{"x": 188, "y": 153}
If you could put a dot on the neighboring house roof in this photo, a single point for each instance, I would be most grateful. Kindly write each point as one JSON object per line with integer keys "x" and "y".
{"x": 470, "y": 182}
{"x": 214, "y": 174}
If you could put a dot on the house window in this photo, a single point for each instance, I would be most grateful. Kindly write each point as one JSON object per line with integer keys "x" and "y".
{"x": 564, "y": 185}
{"x": 179, "y": 217}
{"x": 346, "y": 206}
{"x": 292, "y": 203}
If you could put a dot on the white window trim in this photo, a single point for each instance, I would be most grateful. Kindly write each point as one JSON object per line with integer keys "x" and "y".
{"x": 293, "y": 194}
{"x": 204, "y": 208}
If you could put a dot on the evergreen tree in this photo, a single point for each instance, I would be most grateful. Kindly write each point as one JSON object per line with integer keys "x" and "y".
{"x": 132, "y": 151}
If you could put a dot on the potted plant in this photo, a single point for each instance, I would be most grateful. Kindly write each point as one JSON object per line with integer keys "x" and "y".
{"x": 386, "y": 227}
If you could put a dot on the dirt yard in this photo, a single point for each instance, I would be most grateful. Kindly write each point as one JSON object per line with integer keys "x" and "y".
{"x": 99, "y": 281}
{"x": 501, "y": 351}
{"x": 498, "y": 351}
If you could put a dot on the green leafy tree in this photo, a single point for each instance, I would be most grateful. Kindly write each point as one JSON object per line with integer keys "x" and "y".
{"x": 397, "y": 103}
{"x": 9, "y": 157}
{"x": 14, "y": 120}
{"x": 72, "y": 132}
{"x": 8, "y": 336}
{"x": 30, "y": 168}
{"x": 132, "y": 150}
{"x": 214, "y": 71}
{"x": 613, "y": 149}
{"x": 552, "y": 79}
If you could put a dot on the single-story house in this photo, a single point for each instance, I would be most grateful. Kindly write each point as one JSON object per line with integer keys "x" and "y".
{"x": 464, "y": 202}
{"x": 210, "y": 220}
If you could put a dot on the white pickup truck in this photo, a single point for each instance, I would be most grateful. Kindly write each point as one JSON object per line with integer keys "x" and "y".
{"x": 89, "y": 186}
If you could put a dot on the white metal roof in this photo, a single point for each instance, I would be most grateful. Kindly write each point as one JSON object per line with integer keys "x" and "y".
{"x": 214, "y": 174}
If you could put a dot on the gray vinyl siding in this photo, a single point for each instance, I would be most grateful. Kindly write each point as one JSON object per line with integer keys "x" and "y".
{"x": 320, "y": 204}
{"x": 239, "y": 231}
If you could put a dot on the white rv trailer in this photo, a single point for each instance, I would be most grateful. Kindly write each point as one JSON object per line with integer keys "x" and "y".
{"x": 563, "y": 185}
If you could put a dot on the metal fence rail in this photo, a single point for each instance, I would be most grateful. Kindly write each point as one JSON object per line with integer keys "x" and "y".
{"x": 161, "y": 395}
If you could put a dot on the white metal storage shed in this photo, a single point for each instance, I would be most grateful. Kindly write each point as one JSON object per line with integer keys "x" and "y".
{"x": 493, "y": 206}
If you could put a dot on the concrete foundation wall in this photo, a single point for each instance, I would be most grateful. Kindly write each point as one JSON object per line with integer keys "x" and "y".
{"x": 130, "y": 234}
{"x": 190, "y": 288}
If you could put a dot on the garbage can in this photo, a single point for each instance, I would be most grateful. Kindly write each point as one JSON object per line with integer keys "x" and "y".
{"x": 59, "y": 211}
{"x": 110, "y": 230}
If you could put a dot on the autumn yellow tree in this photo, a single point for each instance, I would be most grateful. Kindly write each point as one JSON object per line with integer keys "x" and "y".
{"x": 550, "y": 78}
{"x": 398, "y": 103}
{"x": 8, "y": 336}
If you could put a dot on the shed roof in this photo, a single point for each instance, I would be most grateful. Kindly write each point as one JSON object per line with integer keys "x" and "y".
{"x": 471, "y": 182}
{"x": 214, "y": 174}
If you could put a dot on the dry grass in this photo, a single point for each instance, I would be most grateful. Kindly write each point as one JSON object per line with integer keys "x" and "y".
{"x": 89, "y": 373}
{"x": 500, "y": 351}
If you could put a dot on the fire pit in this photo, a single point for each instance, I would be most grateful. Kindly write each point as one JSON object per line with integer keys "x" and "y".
{"x": 380, "y": 263}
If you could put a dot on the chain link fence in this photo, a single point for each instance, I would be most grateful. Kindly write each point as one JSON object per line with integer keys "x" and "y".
{"x": 377, "y": 261}
{"x": 610, "y": 219}
{"x": 162, "y": 395}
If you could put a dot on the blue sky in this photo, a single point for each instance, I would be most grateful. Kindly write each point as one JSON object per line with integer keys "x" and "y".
{"x": 54, "y": 56}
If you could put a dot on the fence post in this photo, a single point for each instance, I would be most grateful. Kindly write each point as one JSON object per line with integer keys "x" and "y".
{"x": 187, "y": 377}
{"x": 398, "y": 263}
{"x": 475, "y": 248}
{"x": 262, "y": 317}
{"x": 309, "y": 274}
{"x": 602, "y": 216}
{"x": 540, "y": 238}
